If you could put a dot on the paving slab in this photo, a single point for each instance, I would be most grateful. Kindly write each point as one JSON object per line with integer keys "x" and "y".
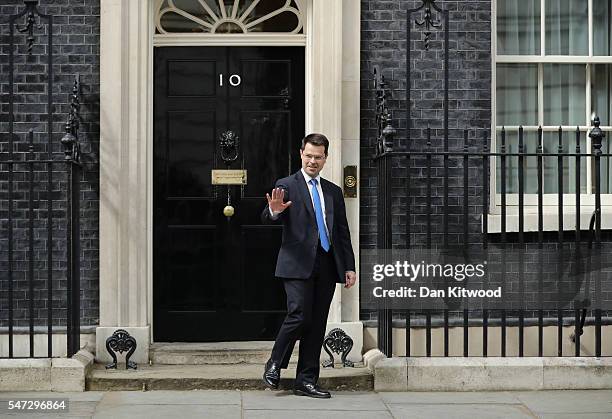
{"x": 43, "y": 416}
{"x": 573, "y": 416}
{"x": 161, "y": 397}
{"x": 577, "y": 402}
{"x": 285, "y": 400}
{"x": 82, "y": 408}
{"x": 313, "y": 414}
{"x": 455, "y": 411}
{"x": 545, "y": 404}
{"x": 480, "y": 397}
{"x": 153, "y": 411}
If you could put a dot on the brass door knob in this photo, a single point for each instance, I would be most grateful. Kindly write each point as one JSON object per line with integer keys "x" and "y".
{"x": 228, "y": 211}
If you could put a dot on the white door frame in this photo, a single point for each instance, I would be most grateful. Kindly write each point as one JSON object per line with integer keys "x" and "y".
{"x": 126, "y": 159}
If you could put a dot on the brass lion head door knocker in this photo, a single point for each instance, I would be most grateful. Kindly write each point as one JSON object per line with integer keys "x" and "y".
{"x": 229, "y": 143}
{"x": 229, "y": 149}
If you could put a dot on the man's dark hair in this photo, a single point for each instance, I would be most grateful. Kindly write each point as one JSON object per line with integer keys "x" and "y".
{"x": 317, "y": 140}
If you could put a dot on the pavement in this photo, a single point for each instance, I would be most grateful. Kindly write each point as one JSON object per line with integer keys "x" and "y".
{"x": 221, "y": 404}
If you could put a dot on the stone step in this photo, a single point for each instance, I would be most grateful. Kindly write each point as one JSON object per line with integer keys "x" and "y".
{"x": 216, "y": 377}
{"x": 215, "y": 353}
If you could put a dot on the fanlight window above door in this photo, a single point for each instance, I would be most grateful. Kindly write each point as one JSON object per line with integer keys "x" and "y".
{"x": 229, "y": 16}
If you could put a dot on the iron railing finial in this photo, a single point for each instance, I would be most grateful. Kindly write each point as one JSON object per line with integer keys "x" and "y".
{"x": 384, "y": 121}
{"x": 596, "y": 135}
{"x": 30, "y": 21}
{"x": 70, "y": 140}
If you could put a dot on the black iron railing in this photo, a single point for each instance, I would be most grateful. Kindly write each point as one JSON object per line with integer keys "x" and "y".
{"x": 428, "y": 164}
{"x": 392, "y": 235}
{"x": 444, "y": 198}
{"x": 40, "y": 198}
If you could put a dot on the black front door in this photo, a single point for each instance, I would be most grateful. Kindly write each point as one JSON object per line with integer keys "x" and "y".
{"x": 213, "y": 277}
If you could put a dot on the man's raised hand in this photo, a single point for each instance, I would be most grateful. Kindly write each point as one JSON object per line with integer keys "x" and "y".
{"x": 350, "y": 277}
{"x": 275, "y": 202}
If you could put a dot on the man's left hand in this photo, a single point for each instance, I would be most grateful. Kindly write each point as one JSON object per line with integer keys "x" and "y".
{"x": 350, "y": 277}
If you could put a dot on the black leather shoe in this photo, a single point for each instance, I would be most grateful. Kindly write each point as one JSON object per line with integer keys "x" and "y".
{"x": 271, "y": 375}
{"x": 310, "y": 390}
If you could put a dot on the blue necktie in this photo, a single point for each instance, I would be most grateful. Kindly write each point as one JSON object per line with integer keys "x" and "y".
{"x": 319, "y": 214}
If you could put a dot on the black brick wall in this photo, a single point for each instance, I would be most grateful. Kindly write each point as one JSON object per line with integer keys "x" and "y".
{"x": 76, "y": 38}
{"x": 383, "y": 44}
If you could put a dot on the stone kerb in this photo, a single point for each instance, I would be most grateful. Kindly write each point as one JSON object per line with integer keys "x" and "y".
{"x": 46, "y": 374}
{"x": 492, "y": 374}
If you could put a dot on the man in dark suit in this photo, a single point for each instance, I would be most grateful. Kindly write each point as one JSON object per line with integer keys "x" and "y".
{"x": 315, "y": 254}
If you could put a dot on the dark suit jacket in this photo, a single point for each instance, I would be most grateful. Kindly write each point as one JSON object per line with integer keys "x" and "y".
{"x": 300, "y": 234}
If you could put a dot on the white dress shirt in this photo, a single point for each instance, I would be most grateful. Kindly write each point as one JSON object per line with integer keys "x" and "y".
{"x": 274, "y": 214}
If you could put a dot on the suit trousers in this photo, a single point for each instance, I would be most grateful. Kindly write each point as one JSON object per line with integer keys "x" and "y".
{"x": 308, "y": 302}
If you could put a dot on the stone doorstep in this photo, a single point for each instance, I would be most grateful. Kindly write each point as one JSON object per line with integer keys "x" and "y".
{"x": 46, "y": 374}
{"x": 222, "y": 353}
{"x": 216, "y": 377}
{"x": 492, "y": 374}
{"x": 200, "y": 353}
{"x": 214, "y": 353}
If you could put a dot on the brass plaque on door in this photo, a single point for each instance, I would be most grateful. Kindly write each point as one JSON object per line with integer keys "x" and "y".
{"x": 229, "y": 177}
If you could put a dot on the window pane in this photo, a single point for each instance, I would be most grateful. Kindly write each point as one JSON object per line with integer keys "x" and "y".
{"x": 282, "y": 22}
{"x": 518, "y": 27}
{"x": 517, "y": 94}
{"x": 567, "y": 29}
{"x": 207, "y": 16}
{"x": 564, "y": 94}
{"x": 606, "y": 166}
{"x": 602, "y": 32}
{"x": 600, "y": 92}
{"x": 568, "y": 168}
{"x": 550, "y": 165}
{"x": 174, "y": 22}
{"x": 530, "y": 165}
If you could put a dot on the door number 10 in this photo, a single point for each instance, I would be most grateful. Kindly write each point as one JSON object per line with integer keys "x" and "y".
{"x": 234, "y": 80}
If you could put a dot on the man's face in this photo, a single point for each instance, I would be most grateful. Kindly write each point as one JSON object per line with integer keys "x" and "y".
{"x": 313, "y": 159}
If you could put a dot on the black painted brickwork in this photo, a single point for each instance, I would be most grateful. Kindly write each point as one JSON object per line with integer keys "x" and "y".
{"x": 76, "y": 37}
{"x": 383, "y": 44}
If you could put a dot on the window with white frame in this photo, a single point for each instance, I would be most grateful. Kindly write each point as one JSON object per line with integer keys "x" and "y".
{"x": 229, "y": 16}
{"x": 553, "y": 63}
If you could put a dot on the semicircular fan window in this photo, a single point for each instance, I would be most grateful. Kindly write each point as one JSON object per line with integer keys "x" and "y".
{"x": 229, "y": 16}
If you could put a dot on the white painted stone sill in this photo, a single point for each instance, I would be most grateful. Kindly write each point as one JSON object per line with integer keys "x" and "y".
{"x": 550, "y": 219}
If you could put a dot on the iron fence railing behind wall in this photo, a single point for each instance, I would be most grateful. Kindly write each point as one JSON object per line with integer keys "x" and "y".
{"x": 437, "y": 199}
{"x": 472, "y": 193}
{"x": 39, "y": 201}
